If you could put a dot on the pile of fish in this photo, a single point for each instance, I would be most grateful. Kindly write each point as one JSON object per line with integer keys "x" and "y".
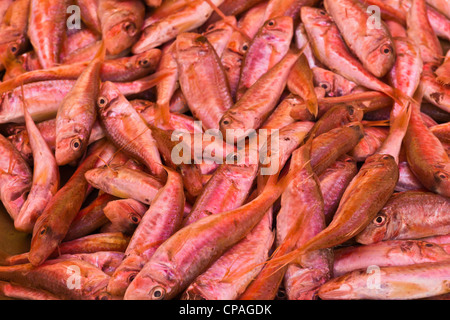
{"x": 116, "y": 157}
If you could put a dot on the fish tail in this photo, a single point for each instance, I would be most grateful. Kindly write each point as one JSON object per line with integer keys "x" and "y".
{"x": 153, "y": 79}
{"x": 101, "y": 53}
{"x": 162, "y": 116}
{"x": 400, "y": 97}
{"x": 398, "y": 126}
{"x": 313, "y": 107}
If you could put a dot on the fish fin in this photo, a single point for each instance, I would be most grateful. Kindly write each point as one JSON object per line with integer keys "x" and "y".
{"x": 7, "y": 86}
{"x": 378, "y": 123}
{"x": 224, "y": 17}
{"x": 398, "y": 126}
{"x": 444, "y": 80}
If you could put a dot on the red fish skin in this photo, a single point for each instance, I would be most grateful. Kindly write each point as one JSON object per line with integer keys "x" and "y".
{"x": 46, "y": 30}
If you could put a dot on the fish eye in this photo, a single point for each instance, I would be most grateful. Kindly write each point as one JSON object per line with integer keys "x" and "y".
{"x": 379, "y": 220}
{"x": 441, "y": 175}
{"x": 245, "y": 47}
{"x": 271, "y": 23}
{"x": 13, "y": 49}
{"x": 43, "y": 231}
{"x": 103, "y": 296}
{"x": 281, "y": 294}
{"x": 143, "y": 62}
{"x": 386, "y": 49}
{"x": 322, "y": 12}
{"x": 157, "y": 293}
{"x": 129, "y": 28}
{"x": 134, "y": 219}
{"x": 351, "y": 110}
{"x": 325, "y": 86}
{"x": 202, "y": 39}
{"x": 386, "y": 157}
{"x": 102, "y": 101}
{"x": 75, "y": 144}
{"x": 226, "y": 121}
{"x": 131, "y": 277}
{"x": 210, "y": 27}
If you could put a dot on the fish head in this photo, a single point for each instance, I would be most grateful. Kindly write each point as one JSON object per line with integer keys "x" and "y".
{"x": 232, "y": 125}
{"x": 71, "y": 143}
{"x": 155, "y": 281}
{"x": 12, "y": 42}
{"x": 121, "y": 37}
{"x": 352, "y": 113}
{"x": 279, "y": 27}
{"x": 357, "y": 127}
{"x": 21, "y": 142}
{"x": 380, "y": 160}
{"x": 189, "y": 46}
{"x": 43, "y": 239}
{"x": 442, "y": 180}
{"x": 382, "y": 55}
{"x": 432, "y": 251}
{"x": 345, "y": 161}
{"x": 315, "y": 17}
{"x": 15, "y": 195}
{"x": 146, "y": 60}
{"x": 238, "y": 44}
{"x": 375, "y": 230}
{"x": 324, "y": 79}
{"x": 124, "y": 275}
{"x": 121, "y": 24}
{"x": 108, "y": 96}
{"x": 333, "y": 84}
{"x": 218, "y": 29}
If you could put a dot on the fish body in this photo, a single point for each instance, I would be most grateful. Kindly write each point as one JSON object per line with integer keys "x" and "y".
{"x": 15, "y": 178}
{"x": 46, "y": 30}
{"x": 53, "y": 224}
{"x": 373, "y": 46}
{"x": 126, "y": 129}
{"x": 396, "y": 283}
{"x": 199, "y": 67}
{"x": 158, "y": 223}
{"x": 408, "y": 215}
